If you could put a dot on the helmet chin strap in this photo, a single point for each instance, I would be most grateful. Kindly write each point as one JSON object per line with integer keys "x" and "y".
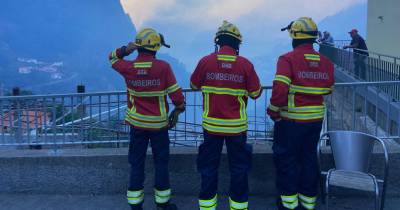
{"x": 163, "y": 42}
{"x": 217, "y": 48}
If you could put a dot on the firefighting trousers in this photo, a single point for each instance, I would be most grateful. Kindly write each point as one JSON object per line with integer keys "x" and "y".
{"x": 295, "y": 158}
{"x": 139, "y": 140}
{"x": 239, "y": 157}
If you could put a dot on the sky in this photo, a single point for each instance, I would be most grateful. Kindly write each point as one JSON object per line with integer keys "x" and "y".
{"x": 189, "y": 23}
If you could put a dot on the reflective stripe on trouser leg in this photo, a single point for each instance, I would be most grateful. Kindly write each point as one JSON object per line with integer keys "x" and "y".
{"x": 307, "y": 202}
{"x": 208, "y": 163}
{"x": 162, "y": 196}
{"x": 239, "y": 156}
{"x": 290, "y": 201}
{"x": 285, "y": 155}
{"x": 160, "y": 149}
{"x": 238, "y": 205}
{"x": 135, "y": 197}
{"x": 137, "y": 155}
{"x": 210, "y": 204}
{"x": 310, "y": 174}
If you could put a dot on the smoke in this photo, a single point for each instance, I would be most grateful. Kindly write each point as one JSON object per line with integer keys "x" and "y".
{"x": 205, "y": 13}
{"x": 188, "y": 23}
{"x": 142, "y": 11}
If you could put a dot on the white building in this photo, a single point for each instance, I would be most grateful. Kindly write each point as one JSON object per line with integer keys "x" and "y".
{"x": 383, "y": 31}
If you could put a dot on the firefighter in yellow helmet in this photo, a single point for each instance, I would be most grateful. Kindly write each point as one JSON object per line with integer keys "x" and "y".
{"x": 148, "y": 80}
{"x": 226, "y": 80}
{"x": 302, "y": 79}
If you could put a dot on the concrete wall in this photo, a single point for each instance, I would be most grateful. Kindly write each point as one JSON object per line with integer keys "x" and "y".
{"x": 106, "y": 171}
{"x": 383, "y": 33}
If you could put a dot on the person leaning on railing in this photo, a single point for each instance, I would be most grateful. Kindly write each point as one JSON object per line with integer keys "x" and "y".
{"x": 149, "y": 81}
{"x": 297, "y": 107}
{"x": 360, "y": 50}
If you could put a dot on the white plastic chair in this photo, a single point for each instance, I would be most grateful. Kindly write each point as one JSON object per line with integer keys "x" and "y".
{"x": 352, "y": 152}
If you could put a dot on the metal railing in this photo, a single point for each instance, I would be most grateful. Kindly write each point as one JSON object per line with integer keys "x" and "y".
{"x": 366, "y": 66}
{"x": 93, "y": 120}
{"x": 340, "y": 43}
{"x": 364, "y": 107}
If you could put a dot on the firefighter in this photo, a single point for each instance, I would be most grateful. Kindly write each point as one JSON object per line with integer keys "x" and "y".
{"x": 302, "y": 79}
{"x": 148, "y": 81}
{"x": 226, "y": 81}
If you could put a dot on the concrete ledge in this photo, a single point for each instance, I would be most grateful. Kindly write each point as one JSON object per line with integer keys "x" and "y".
{"x": 106, "y": 171}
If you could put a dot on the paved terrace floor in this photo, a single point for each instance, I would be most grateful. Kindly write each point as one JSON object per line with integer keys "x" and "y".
{"x": 118, "y": 202}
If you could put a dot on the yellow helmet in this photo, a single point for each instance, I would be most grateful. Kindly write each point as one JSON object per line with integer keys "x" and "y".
{"x": 302, "y": 28}
{"x": 228, "y": 28}
{"x": 149, "y": 39}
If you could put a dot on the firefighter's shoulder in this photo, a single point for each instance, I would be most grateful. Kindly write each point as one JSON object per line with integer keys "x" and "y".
{"x": 160, "y": 63}
{"x": 208, "y": 58}
{"x": 244, "y": 61}
{"x": 287, "y": 55}
{"x": 324, "y": 59}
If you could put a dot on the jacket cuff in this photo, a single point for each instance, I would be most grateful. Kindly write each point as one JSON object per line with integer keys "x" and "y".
{"x": 122, "y": 52}
{"x": 273, "y": 115}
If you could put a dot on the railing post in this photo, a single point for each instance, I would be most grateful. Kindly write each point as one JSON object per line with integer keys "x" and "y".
{"x": 3, "y": 126}
{"x": 80, "y": 111}
{"x": 17, "y": 117}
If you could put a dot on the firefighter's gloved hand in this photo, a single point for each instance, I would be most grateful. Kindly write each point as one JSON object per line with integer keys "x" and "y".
{"x": 130, "y": 48}
{"x": 174, "y": 116}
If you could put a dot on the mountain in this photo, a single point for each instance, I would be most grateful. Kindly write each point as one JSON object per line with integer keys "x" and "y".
{"x": 50, "y": 46}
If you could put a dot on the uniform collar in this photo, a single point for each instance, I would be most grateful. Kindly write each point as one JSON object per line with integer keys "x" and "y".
{"x": 227, "y": 50}
{"x": 144, "y": 55}
{"x": 304, "y": 47}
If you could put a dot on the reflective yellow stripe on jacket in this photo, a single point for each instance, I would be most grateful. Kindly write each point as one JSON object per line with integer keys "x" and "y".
{"x": 309, "y": 90}
{"x": 303, "y": 112}
{"x": 255, "y": 93}
{"x": 312, "y": 57}
{"x": 281, "y": 78}
{"x": 143, "y": 64}
{"x": 148, "y": 121}
{"x": 219, "y": 125}
{"x": 224, "y": 91}
{"x": 230, "y": 58}
{"x": 274, "y": 108}
{"x": 173, "y": 88}
{"x": 114, "y": 57}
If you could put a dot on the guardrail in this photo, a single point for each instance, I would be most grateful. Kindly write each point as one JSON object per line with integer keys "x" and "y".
{"x": 92, "y": 119}
{"x": 365, "y": 107}
{"x": 340, "y": 43}
{"x": 372, "y": 68}
{"x": 96, "y": 119}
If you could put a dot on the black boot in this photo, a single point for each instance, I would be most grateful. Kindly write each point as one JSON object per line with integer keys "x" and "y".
{"x": 137, "y": 207}
{"x": 166, "y": 206}
{"x": 300, "y": 207}
{"x": 279, "y": 204}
